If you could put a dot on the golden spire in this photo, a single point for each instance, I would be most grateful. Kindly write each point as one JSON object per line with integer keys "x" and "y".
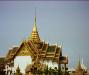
{"x": 35, "y": 36}
{"x": 35, "y": 27}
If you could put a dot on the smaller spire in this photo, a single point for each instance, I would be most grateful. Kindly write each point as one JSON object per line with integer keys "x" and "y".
{"x": 79, "y": 65}
{"x": 82, "y": 61}
{"x": 18, "y": 69}
{"x": 83, "y": 66}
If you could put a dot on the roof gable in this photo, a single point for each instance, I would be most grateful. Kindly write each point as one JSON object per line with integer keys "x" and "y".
{"x": 23, "y": 51}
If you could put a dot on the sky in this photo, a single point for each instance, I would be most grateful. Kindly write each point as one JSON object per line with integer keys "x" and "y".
{"x": 65, "y": 23}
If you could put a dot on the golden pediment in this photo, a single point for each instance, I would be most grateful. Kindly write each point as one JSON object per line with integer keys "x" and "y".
{"x": 24, "y": 52}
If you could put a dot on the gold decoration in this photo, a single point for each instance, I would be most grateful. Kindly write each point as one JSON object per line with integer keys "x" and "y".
{"x": 23, "y": 52}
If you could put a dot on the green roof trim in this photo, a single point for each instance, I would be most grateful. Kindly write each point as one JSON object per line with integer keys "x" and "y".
{"x": 51, "y": 48}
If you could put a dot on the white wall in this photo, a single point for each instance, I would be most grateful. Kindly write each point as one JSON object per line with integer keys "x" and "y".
{"x": 51, "y": 64}
{"x": 22, "y": 61}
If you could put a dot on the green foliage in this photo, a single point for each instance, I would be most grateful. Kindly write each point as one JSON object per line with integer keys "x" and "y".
{"x": 66, "y": 73}
{"x": 50, "y": 71}
{"x": 46, "y": 70}
{"x": 18, "y": 74}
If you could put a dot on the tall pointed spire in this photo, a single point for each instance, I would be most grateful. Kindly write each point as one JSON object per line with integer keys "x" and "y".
{"x": 82, "y": 61}
{"x": 83, "y": 65}
{"x": 79, "y": 65}
{"x": 35, "y": 36}
{"x": 35, "y": 27}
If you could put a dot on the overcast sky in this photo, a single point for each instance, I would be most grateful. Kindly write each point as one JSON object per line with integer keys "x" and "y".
{"x": 63, "y": 22}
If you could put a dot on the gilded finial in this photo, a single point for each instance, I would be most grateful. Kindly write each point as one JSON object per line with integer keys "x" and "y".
{"x": 35, "y": 27}
{"x": 35, "y": 36}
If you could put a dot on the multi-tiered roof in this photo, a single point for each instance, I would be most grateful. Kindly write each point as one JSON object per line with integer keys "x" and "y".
{"x": 35, "y": 47}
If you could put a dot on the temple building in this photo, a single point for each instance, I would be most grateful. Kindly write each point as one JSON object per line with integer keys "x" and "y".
{"x": 32, "y": 49}
{"x": 2, "y": 67}
{"x": 80, "y": 69}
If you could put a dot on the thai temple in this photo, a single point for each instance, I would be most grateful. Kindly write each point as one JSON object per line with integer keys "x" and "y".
{"x": 34, "y": 51}
{"x": 36, "y": 57}
{"x": 80, "y": 69}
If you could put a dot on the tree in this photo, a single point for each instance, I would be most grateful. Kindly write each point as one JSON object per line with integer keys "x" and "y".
{"x": 46, "y": 70}
{"x": 18, "y": 71}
